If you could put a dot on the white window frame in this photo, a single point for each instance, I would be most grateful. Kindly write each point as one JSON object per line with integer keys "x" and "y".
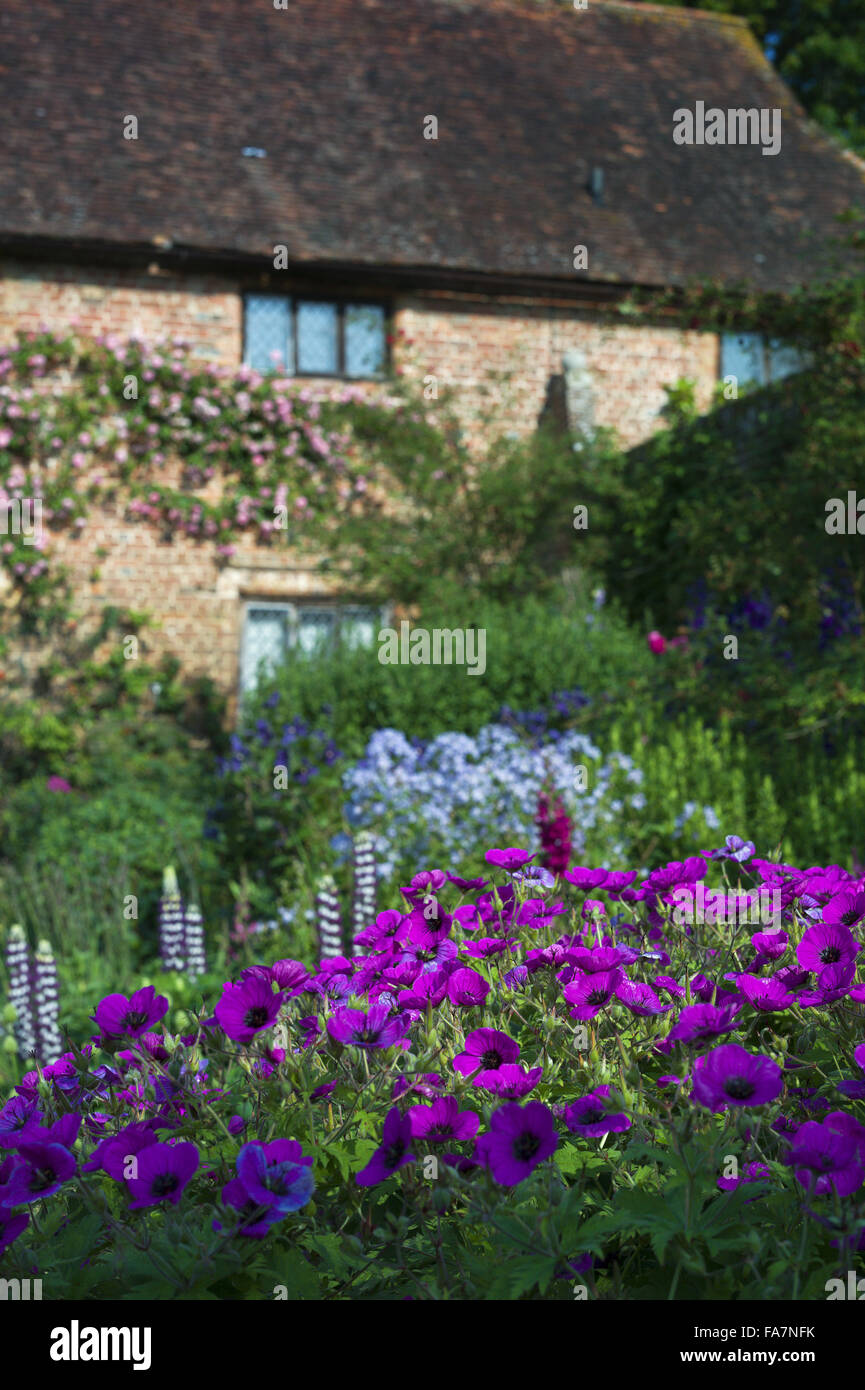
{"x": 293, "y": 610}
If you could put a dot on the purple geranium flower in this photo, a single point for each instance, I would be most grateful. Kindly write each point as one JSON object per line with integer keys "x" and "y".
{"x": 277, "y": 1175}
{"x": 117, "y": 1017}
{"x": 508, "y": 859}
{"x": 826, "y": 1158}
{"x": 426, "y": 927}
{"x": 590, "y": 993}
{"x": 376, "y": 1028}
{"x": 520, "y": 1137}
{"x": 38, "y": 1170}
{"x": 699, "y": 1022}
{"x": 113, "y": 1153}
{"x": 18, "y": 1118}
{"x": 730, "y": 1076}
{"x": 486, "y": 1049}
{"x": 467, "y": 885}
{"x": 392, "y": 1154}
{"x": 426, "y": 884}
{"x": 247, "y": 1008}
{"x": 845, "y": 909}
{"x": 768, "y": 995}
{"x": 734, "y": 848}
{"x": 163, "y": 1170}
{"x": 442, "y": 1122}
{"x": 592, "y": 1117}
{"x": 511, "y": 1081}
{"x": 424, "y": 1085}
{"x": 467, "y": 988}
{"x": 641, "y": 999}
{"x": 826, "y": 943}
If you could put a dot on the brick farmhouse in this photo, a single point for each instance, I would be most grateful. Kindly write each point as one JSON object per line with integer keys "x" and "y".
{"x": 458, "y": 189}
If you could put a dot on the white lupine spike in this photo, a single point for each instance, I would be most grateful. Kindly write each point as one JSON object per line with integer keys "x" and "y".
{"x": 327, "y": 917}
{"x": 364, "y": 896}
{"x": 46, "y": 1004}
{"x": 19, "y": 968}
{"x": 171, "y": 923}
{"x": 194, "y": 942}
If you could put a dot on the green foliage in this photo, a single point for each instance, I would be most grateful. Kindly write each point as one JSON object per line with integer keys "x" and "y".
{"x": 533, "y": 650}
{"x": 136, "y": 805}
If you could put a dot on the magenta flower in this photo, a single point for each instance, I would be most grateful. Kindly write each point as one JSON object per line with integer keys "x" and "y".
{"x": 392, "y": 1154}
{"x": 289, "y": 975}
{"x": 508, "y": 859}
{"x": 511, "y": 1081}
{"x": 163, "y": 1170}
{"x": 766, "y": 994}
{"x": 247, "y": 1008}
{"x": 467, "y": 988}
{"x": 657, "y": 642}
{"x": 520, "y": 1137}
{"x": 486, "y": 1050}
{"x": 19, "y": 1119}
{"x": 592, "y": 1117}
{"x": 845, "y": 909}
{"x": 442, "y": 1122}
{"x": 825, "y": 944}
{"x": 426, "y": 927}
{"x": 730, "y": 1076}
{"x": 58, "y": 784}
{"x": 38, "y": 1170}
{"x": 641, "y": 999}
{"x": 827, "y": 1157}
{"x": 116, "y": 1016}
{"x": 586, "y": 879}
{"x": 590, "y": 993}
{"x": 700, "y": 1022}
{"x": 376, "y": 1028}
{"x": 112, "y": 1153}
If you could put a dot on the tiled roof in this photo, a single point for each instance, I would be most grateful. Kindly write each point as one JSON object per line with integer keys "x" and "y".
{"x": 530, "y": 96}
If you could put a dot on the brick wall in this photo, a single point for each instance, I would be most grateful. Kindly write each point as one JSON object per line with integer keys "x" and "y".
{"x": 501, "y": 357}
{"x": 498, "y": 356}
{"x": 197, "y": 600}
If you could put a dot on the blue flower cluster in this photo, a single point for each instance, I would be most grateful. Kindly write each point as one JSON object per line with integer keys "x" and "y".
{"x": 319, "y": 749}
{"x": 542, "y": 723}
{"x": 423, "y": 801}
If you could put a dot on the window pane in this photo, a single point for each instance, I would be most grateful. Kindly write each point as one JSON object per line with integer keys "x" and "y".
{"x": 364, "y": 339}
{"x": 359, "y": 626}
{"x": 317, "y": 338}
{"x": 742, "y": 357}
{"x": 784, "y": 360}
{"x": 264, "y": 640}
{"x": 314, "y": 629}
{"x": 268, "y": 339}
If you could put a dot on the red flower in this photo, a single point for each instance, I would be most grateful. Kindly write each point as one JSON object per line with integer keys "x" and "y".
{"x": 555, "y": 830}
